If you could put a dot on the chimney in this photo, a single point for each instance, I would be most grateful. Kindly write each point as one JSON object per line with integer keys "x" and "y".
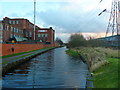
{"x": 6, "y": 20}
{"x": 50, "y": 27}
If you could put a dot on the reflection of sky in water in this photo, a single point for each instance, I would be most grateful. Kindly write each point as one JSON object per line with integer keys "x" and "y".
{"x": 53, "y": 69}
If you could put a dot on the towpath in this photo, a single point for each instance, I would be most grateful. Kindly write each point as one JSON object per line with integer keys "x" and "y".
{"x": 7, "y": 60}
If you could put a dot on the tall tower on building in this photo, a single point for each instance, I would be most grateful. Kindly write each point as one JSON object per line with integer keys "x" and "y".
{"x": 114, "y": 20}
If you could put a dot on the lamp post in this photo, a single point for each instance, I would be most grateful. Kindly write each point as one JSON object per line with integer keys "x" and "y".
{"x": 34, "y": 16}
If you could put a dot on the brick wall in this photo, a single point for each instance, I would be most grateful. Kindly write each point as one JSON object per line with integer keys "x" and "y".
{"x": 7, "y": 48}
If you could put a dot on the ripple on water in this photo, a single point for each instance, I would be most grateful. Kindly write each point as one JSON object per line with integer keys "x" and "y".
{"x": 53, "y": 69}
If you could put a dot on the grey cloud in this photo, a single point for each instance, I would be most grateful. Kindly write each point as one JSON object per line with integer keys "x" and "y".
{"x": 71, "y": 22}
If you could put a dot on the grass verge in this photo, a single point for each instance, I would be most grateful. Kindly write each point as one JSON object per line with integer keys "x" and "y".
{"x": 73, "y": 53}
{"x": 107, "y": 75}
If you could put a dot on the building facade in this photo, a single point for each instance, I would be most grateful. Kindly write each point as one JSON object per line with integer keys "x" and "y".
{"x": 111, "y": 41}
{"x": 8, "y": 31}
{"x": 45, "y": 35}
{"x": 24, "y": 24}
{"x": 23, "y": 28}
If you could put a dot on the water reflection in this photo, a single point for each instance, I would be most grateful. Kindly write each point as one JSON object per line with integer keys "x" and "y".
{"x": 53, "y": 69}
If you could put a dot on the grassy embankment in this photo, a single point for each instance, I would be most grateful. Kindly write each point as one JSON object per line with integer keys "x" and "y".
{"x": 105, "y": 74}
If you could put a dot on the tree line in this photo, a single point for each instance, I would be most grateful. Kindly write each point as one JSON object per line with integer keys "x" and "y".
{"x": 78, "y": 40}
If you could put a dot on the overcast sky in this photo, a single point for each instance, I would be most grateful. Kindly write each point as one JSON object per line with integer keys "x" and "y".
{"x": 65, "y": 16}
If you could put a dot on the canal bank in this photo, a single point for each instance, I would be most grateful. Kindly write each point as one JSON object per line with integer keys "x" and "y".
{"x": 9, "y": 63}
{"x": 53, "y": 69}
{"x": 102, "y": 62}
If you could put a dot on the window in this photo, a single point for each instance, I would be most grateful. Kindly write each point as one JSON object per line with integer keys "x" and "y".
{"x": 1, "y": 26}
{"x": 46, "y": 35}
{"x": 17, "y": 30}
{"x": 11, "y": 35}
{"x": 7, "y": 27}
{"x": 38, "y": 35}
{"x": 14, "y": 29}
{"x": 26, "y": 34}
{"x": 10, "y": 22}
{"x": 22, "y": 31}
{"x": 1, "y": 36}
{"x": 30, "y": 34}
{"x": 17, "y": 22}
{"x": 43, "y": 35}
{"x": 13, "y": 22}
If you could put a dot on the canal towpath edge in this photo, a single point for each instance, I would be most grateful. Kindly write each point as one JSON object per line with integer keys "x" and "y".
{"x": 9, "y": 63}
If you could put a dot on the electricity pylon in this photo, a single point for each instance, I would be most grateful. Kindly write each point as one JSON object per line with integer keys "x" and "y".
{"x": 114, "y": 20}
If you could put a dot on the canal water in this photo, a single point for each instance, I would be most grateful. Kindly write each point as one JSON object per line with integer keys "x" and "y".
{"x": 53, "y": 69}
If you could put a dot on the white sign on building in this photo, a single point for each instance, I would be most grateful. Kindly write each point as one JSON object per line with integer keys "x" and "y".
{"x": 42, "y": 30}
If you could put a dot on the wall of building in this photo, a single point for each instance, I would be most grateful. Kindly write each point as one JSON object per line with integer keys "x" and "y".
{"x": 23, "y": 24}
{"x": 18, "y": 48}
{"x": 1, "y": 32}
{"x": 7, "y": 31}
{"x": 45, "y": 35}
{"x": 27, "y": 29}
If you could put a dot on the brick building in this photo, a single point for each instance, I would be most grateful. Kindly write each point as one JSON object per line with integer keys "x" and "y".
{"x": 1, "y": 32}
{"x": 45, "y": 35}
{"x": 8, "y": 31}
{"x": 24, "y": 24}
{"x": 23, "y": 28}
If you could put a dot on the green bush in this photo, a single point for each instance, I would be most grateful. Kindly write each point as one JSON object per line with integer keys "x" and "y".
{"x": 72, "y": 53}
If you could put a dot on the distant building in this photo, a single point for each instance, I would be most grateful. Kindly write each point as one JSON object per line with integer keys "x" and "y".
{"x": 45, "y": 35}
{"x": 111, "y": 41}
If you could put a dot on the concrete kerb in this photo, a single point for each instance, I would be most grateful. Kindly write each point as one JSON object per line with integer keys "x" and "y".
{"x": 14, "y": 64}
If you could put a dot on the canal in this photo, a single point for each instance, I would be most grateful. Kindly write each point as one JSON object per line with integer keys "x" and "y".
{"x": 53, "y": 69}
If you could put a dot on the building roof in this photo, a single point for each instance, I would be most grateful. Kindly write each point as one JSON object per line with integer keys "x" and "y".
{"x": 47, "y": 28}
{"x": 109, "y": 37}
{"x": 22, "y": 19}
{"x": 18, "y": 39}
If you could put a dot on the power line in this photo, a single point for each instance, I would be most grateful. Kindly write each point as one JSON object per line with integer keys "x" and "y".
{"x": 100, "y": 1}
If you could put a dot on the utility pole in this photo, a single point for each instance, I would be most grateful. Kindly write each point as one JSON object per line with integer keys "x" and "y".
{"x": 34, "y": 16}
